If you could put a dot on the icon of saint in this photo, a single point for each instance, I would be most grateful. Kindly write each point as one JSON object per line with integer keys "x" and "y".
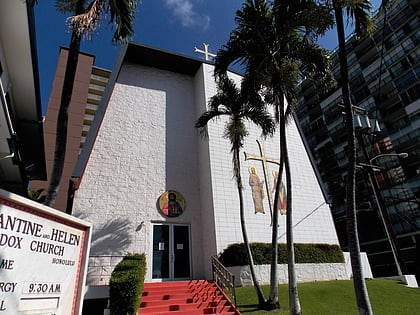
{"x": 172, "y": 208}
{"x": 282, "y": 202}
{"x": 257, "y": 187}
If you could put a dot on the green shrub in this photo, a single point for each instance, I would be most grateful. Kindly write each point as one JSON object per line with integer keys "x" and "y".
{"x": 235, "y": 254}
{"x": 126, "y": 285}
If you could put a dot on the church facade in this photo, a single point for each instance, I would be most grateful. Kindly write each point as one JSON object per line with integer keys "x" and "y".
{"x": 149, "y": 183}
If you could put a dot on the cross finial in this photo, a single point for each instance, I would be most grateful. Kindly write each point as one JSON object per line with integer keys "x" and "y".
{"x": 205, "y": 51}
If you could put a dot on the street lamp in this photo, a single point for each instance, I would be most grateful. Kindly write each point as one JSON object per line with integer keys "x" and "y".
{"x": 402, "y": 155}
{"x": 363, "y": 125}
{"x": 383, "y": 213}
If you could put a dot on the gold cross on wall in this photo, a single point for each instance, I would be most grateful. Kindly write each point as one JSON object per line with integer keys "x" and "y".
{"x": 264, "y": 161}
{"x": 205, "y": 51}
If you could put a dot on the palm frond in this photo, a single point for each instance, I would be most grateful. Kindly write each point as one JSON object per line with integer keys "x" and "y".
{"x": 202, "y": 121}
{"x": 87, "y": 22}
{"x": 230, "y": 53}
{"x": 238, "y": 105}
{"x": 66, "y": 6}
{"x": 31, "y": 3}
{"x": 359, "y": 10}
{"x": 261, "y": 118}
{"x": 123, "y": 15}
{"x": 384, "y": 5}
{"x": 316, "y": 65}
{"x": 249, "y": 39}
{"x": 37, "y": 195}
{"x": 236, "y": 132}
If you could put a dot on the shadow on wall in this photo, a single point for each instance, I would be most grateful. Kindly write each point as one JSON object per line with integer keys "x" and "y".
{"x": 111, "y": 238}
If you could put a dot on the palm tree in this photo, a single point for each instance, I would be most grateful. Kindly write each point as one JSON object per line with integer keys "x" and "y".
{"x": 358, "y": 11}
{"x": 37, "y": 195}
{"x": 86, "y": 18}
{"x": 273, "y": 41}
{"x": 231, "y": 102}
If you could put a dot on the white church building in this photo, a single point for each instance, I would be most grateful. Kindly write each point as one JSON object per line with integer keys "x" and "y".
{"x": 143, "y": 152}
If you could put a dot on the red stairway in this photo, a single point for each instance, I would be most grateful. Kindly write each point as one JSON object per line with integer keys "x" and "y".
{"x": 185, "y": 297}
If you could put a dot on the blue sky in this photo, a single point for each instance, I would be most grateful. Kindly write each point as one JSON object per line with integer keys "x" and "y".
{"x": 174, "y": 25}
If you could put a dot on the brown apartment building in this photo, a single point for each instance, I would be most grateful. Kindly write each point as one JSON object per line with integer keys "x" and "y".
{"x": 89, "y": 85}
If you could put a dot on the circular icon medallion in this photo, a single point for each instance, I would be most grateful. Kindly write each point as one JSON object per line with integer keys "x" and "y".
{"x": 171, "y": 203}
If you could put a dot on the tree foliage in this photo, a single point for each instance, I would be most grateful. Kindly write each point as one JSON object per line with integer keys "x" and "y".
{"x": 237, "y": 107}
{"x": 85, "y": 20}
{"x": 274, "y": 43}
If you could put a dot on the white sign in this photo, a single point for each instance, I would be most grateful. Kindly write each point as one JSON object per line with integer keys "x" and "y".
{"x": 42, "y": 258}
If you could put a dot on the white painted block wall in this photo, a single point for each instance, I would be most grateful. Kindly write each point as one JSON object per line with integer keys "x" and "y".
{"x": 312, "y": 218}
{"x": 147, "y": 144}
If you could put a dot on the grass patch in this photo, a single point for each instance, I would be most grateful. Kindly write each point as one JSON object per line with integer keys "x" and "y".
{"x": 388, "y": 297}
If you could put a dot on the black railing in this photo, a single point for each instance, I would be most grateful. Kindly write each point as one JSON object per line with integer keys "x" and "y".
{"x": 223, "y": 277}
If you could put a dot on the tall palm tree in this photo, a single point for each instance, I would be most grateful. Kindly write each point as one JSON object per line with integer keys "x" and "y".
{"x": 274, "y": 42}
{"x": 87, "y": 15}
{"x": 358, "y": 10}
{"x": 231, "y": 102}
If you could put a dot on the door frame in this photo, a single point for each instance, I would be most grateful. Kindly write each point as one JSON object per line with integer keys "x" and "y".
{"x": 171, "y": 251}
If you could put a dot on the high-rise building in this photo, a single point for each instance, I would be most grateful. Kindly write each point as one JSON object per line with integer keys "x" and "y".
{"x": 384, "y": 73}
{"x": 21, "y": 143}
{"x": 89, "y": 86}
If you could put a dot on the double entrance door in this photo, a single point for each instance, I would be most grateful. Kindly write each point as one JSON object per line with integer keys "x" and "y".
{"x": 171, "y": 252}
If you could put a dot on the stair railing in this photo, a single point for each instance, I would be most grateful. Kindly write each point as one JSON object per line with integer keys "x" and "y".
{"x": 223, "y": 277}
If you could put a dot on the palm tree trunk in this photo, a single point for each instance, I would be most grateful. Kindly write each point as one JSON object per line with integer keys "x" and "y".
{"x": 362, "y": 297}
{"x": 62, "y": 119}
{"x": 237, "y": 171}
{"x": 273, "y": 300}
{"x": 294, "y": 302}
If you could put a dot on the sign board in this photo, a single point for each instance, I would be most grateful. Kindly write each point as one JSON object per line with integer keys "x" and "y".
{"x": 43, "y": 255}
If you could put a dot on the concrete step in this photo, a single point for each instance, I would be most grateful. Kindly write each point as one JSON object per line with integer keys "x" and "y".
{"x": 185, "y": 297}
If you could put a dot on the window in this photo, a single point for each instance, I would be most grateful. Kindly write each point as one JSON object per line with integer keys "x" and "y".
{"x": 361, "y": 94}
{"x": 411, "y": 95}
{"x": 400, "y": 67}
{"x": 406, "y": 80}
{"x": 414, "y": 92}
{"x": 9, "y": 107}
{"x": 414, "y": 57}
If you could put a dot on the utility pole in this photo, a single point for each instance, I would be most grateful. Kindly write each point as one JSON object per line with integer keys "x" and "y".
{"x": 383, "y": 213}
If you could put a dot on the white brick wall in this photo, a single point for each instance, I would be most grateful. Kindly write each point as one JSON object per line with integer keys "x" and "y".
{"x": 147, "y": 144}
{"x": 304, "y": 273}
{"x": 135, "y": 159}
{"x": 311, "y": 217}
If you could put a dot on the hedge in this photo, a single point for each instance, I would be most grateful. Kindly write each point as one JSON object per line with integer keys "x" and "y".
{"x": 235, "y": 255}
{"x": 126, "y": 285}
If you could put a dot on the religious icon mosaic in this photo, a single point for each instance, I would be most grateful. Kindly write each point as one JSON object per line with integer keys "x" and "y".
{"x": 171, "y": 203}
{"x": 257, "y": 188}
{"x": 257, "y": 185}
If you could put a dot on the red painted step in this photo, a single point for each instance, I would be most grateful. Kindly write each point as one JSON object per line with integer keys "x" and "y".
{"x": 185, "y": 297}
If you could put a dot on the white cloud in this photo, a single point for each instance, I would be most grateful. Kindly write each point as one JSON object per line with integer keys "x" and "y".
{"x": 184, "y": 10}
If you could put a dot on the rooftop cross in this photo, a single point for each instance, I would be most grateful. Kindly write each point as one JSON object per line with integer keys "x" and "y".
{"x": 205, "y": 51}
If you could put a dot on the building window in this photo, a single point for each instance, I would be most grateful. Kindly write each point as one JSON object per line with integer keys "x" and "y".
{"x": 411, "y": 95}
{"x": 407, "y": 80}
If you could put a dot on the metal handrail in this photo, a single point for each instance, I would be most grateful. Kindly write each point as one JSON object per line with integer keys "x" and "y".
{"x": 223, "y": 277}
